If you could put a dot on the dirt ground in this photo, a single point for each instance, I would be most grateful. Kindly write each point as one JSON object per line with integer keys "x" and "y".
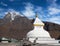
{"x": 15, "y": 44}
{"x": 8, "y": 44}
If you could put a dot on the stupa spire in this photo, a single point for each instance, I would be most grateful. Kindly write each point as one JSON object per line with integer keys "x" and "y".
{"x": 38, "y": 22}
{"x": 36, "y": 15}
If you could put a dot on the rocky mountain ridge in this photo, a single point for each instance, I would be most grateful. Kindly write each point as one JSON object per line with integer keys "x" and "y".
{"x": 20, "y": 26}
{"x": 16, "y": 28}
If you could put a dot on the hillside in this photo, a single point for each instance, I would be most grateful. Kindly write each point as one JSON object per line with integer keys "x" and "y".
{"x": 20, "y": 26}
{"x": 53, "y": 29}
{"x": 17, "y": 28}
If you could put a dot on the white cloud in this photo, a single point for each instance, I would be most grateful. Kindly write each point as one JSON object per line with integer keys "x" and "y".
{"x": 55, "y": 19}
{"x": 52, "y": 2}
{"x": 1, "y": 9}
{"x": 13, "y": 11}
{"x": 53, "y": 10}
{"x": 2, "y": 12}
{"x": 39, "y": 9}
{"x": 4, "y": 4}
{"x": 28, "y": 12}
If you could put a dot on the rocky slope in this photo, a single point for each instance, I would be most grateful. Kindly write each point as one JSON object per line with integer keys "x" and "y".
{"x": 20, "y": 26}
{"x": 53, "y": 29}
{"x": 17, "y": 28}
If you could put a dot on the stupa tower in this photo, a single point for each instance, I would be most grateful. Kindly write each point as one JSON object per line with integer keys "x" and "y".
{"x": 38, "y": 32}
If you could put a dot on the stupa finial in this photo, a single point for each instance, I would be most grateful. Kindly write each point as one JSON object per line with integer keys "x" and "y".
{"x": 36, "y": 14}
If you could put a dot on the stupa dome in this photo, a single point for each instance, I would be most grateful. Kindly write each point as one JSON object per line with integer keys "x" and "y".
{"x": 38, "y": 30}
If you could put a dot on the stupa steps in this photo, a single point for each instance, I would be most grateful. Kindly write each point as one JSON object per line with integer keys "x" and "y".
{"x": 44, "y": 40}
{"x": 47, "y": 42}
{"x": 13, "y": 44}
{"x": 40, "y": 41}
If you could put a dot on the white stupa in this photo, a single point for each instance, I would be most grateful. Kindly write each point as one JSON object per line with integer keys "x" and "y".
{"x": 39, "y": 34}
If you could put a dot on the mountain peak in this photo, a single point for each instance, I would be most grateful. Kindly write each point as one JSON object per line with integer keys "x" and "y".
{"x": 11, "y": 15}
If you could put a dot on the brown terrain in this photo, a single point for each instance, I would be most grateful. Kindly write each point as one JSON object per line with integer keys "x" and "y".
{"x": 20, "y": 26}
{"x": 53, "y": 29}
{"x": 17, "y": 29}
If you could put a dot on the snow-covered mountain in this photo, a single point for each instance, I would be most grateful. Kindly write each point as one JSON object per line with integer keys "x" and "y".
{"x": 11, "y": 15}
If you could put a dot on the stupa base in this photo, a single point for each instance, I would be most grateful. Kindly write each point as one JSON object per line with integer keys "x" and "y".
{"x": 44, "y": 40}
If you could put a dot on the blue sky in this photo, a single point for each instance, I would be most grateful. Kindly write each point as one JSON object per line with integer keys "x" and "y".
{"x": 48, "y": 10}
